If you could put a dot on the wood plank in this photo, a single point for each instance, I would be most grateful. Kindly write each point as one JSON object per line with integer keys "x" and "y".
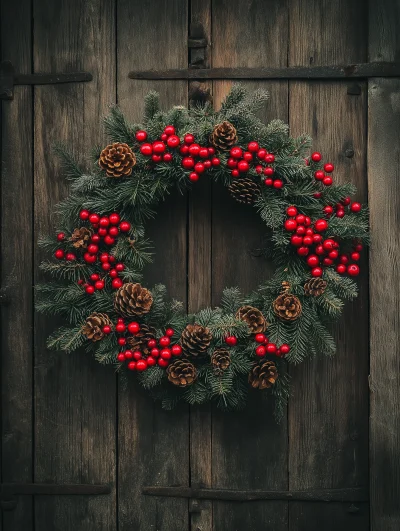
{"x": 345, "y": 71}
{"x": 241, "y": 459}
{"x": 75, "y": 397}
{"x": 328, "y": 420}
{"x": 199, "y": 292}
{"x": 384, "y": 194}
{"x": 16, "y": 265}
{"x": 154, "y": 444}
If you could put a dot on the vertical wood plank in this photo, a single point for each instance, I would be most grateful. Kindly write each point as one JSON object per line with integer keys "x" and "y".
{"x": 249, "y": 33}
{"x": 154, "y": 444}
{"x": 16, "y": 264}
{"x": 384, "y": 194}
{"x": 199, "y": 296}
{"x": 328, "y": 429}
{"x": 75, "y": 398}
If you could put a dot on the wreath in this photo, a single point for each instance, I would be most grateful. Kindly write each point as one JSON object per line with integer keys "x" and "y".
{"x": 314, "y": 235}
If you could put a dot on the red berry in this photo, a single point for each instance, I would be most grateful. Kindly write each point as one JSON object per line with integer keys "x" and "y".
{"x": 327, "y": 261}
{"x": 89, "y": 258}
{"x": 167, "y": 157}
{"x": 194, "y": 177}
{"x": 133, "y": 327}
{"x": 231, "y": 340}
{"x": 316, "y": 272}
{"x": 340, "y": 213}
{"x": 121, "y": 341}
{"x": 358, "y": 247}
{"x": 124, "y": 226}
{"x": 169, "y": 130}
{"x": 70, "y": 257}
{"x": 301, "y": 230}
{"x": 319, "y": 250}
{"x": 188, "y": 163}
{"x": 164, "y": 341}
{"x": 162, "y": 363}
{"x": 120, "y": 267}
{"x": 137, "y": 355}
{"x": 141, "y": 365}
{"x": 328, "y": 210}
{"x": 104, "y": 257}
{"x": 169, "y": 332}
{"x": 215, "y": 161}
{"x": 90, "y": 290}
{"x": 211, "y": 150}
{"x": 329, "y": 167}
{"x": 128, "y": 354}
{"x": 93, "y": 248}
{"x": 194, "y": 150}
{"x": 269, "y": 171}
{"x": 296, "y": 240}
{"x": 268, "y": 181}
{"x": 261, "y": 154}
{"x": 132, "y": 365}
{"x": 199, "y": 167}
{"x": 355, "y": 207}
{"x": 61, "y": 236}
{"x": 309, "y": 232}
{"x": 308, "y": 240}
{"x": 105, "y": 266}
{"x": 259, "y": 168}
{"x": 243, "y": 166}
{"x": 269, "y": 158}
{"x": 158, "y": 147}
{"x": 300, "y": 218}
{"x": 278, "y": 184}
{"x": 155, "y": 352}
{"x": 271, "y": 348}
{"x": 116, "y": 283}
{"x": 353, "y": 270}
{"x": 102, "y": 232}
{"x": 165, "y": 353}
{"x": 176, "y": 350}
{"x": 113, "y": 231}
{"x": 108, "y": 240}
{"x": 59, "y": 254}
{"x": 327, "y": 181}
{"x": 203, "y": 153}
{"x": 290, "y": 225}
{"x": 303, "y": 251}
{"x": 261, "y": 351}
{"x": 106, "y": 329}
{"x": 99, "y": 284}
{"x": 317, "y": 238}
{"x": 164, "y": 137}
{"x": 114, "y": 218}
{"x": 236, "y": 152}
{"x": 156, "y": 158}
{"x": 253, "y": 146}
{"x": 121, "y": 356}
{"x": 291, "y": 211}
{"x": 346, "y": 201}
{"x": 260, "y": 338}
{"x": 307, "y": 221}
{"x": 316, "y": 156}
{"x": 184, "y": 150}
{"x": 231, "y": 163}
{"x": 247, "y": 156}
{"x": 113, "y": 273}
{"x": 317, "y": 195}
{"x": 84, "y": 214}
{"x": 235, "y": 173}
{"x": 313, "y": 260}
{"x": 96, "y": 238}
{"x": 285, "y": 349}
{"x": 333, "y": 254}
{"x": 344, "y": 259}
{"x": 328, "y": 244}
{"x": 141, "y": 136}
{"x": 188, "y": 138}
{"x": 321, "y": 225}
{"x": 94, "y": 218}
{"x": 319, "y": 175}
{"x": 151, "y": 343}
{"x": 146, "y": 150}
{"x": 120, "y": 328}
{"x": 150, "y": 361}
{"x": 341, "y": 269}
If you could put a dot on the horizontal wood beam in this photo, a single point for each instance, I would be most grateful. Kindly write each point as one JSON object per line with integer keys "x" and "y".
{"x": 354, "y": 71}
{"x": 321, "y": 495}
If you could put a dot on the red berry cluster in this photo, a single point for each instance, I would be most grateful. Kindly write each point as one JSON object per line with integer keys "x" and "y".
{"x": 340, "y": 208}
{"x": 161, "y": 351}
{"x": 107, "y": 230}
{"x": 266, "y": 347}
{"x": 320, "y": 251}
{"x": 196, "y": 158}
{"x": 320, "y": 175}
{"x": 241, "y": 161}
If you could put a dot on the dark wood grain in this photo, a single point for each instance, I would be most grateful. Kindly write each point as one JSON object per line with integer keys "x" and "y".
{"x": 328, "y": 412}
{"x": 75, "y": 397}
{"x": 154, "y": 444}
{"x": 384, "y": 201}
{"x": 16, "y": 265}
{"x": 240, "y": 443}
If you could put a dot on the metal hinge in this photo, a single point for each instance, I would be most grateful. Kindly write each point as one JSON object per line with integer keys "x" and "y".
{"x": 8, "y": 79}
{"x": 9, "y": 491}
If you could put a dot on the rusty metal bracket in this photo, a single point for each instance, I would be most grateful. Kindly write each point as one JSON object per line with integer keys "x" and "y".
{"x": 10, "y": 491}
{"x": 8, "y": 79}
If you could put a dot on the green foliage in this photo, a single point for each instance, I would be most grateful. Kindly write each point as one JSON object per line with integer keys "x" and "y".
{"x": 136, "y": 199}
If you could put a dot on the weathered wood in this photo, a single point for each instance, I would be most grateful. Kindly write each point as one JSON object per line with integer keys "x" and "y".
{"x": 16, "y": 265}
{"x": 249, "y": 451}
{"x": 323, "y": 495}
{"x": 154, "y": 444}
{"x": 200, "y": 281}
{"x": 75, "y": 397}
{"x": 384, "y": 203}
{"x": 50, "y": 489}
{"x": 353, "y": 71}
{"x": 328, "y": 429}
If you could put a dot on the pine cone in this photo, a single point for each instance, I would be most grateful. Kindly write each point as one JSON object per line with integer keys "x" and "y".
{"x": 224, "y": 136}
{"x": 315, "y": 287}
{"x": 244, "y": 190}
{"x": 287, "y": 307}
{"x": 181, "y": 373}
{"x": 117, "y": 160}
{"x": 285, "y": 287}
{"x": 253, "y": 317}
{"x": 263, "y": 375}
{"x": 80, "y": 237}
{"x": 195, "y": 339}
{"x": 220, "y": 360}
{"x": 132, "y": 300}
{"x": 139, "y": 340}
{"x": 93, "y": 328}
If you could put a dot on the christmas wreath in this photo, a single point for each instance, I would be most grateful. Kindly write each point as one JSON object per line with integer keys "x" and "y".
{"x": 315, "y": 234}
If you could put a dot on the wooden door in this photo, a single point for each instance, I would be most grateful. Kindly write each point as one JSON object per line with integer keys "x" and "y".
{"x": 65, "y": 418}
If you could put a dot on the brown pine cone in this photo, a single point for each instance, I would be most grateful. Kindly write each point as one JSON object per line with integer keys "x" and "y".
{"x": 220, "y": 360}
{"x": 80, "y": 237}
{"x": 93, "y": 328}
{"x": 181, "y": 373}
{"x": 263, "y": 375}
{"x": 315, "y": 287}
{"x": 287, "y": 307}
{"x": 139, "y": 340}
{"x": 132, "y": 300}
{"x": 224, "y": 136}
{"x": 195, "y": 339}
{"x": 253, "y": 317}
{"x": 244, "y": 190}
{"x": 117, "y": 160}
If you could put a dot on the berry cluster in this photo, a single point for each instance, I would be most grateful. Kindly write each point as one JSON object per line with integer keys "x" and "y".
{"x": 321, "y": 175}
{"x": 340, "y": 208}
{"x": 241, "y": 161}
{"x": 197, "y": 159}
{"x": 157, "y": 352}
{"x": 321, "y": 251}
{"x": 266, "y": 347}
{"x": 104, "y": 233}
